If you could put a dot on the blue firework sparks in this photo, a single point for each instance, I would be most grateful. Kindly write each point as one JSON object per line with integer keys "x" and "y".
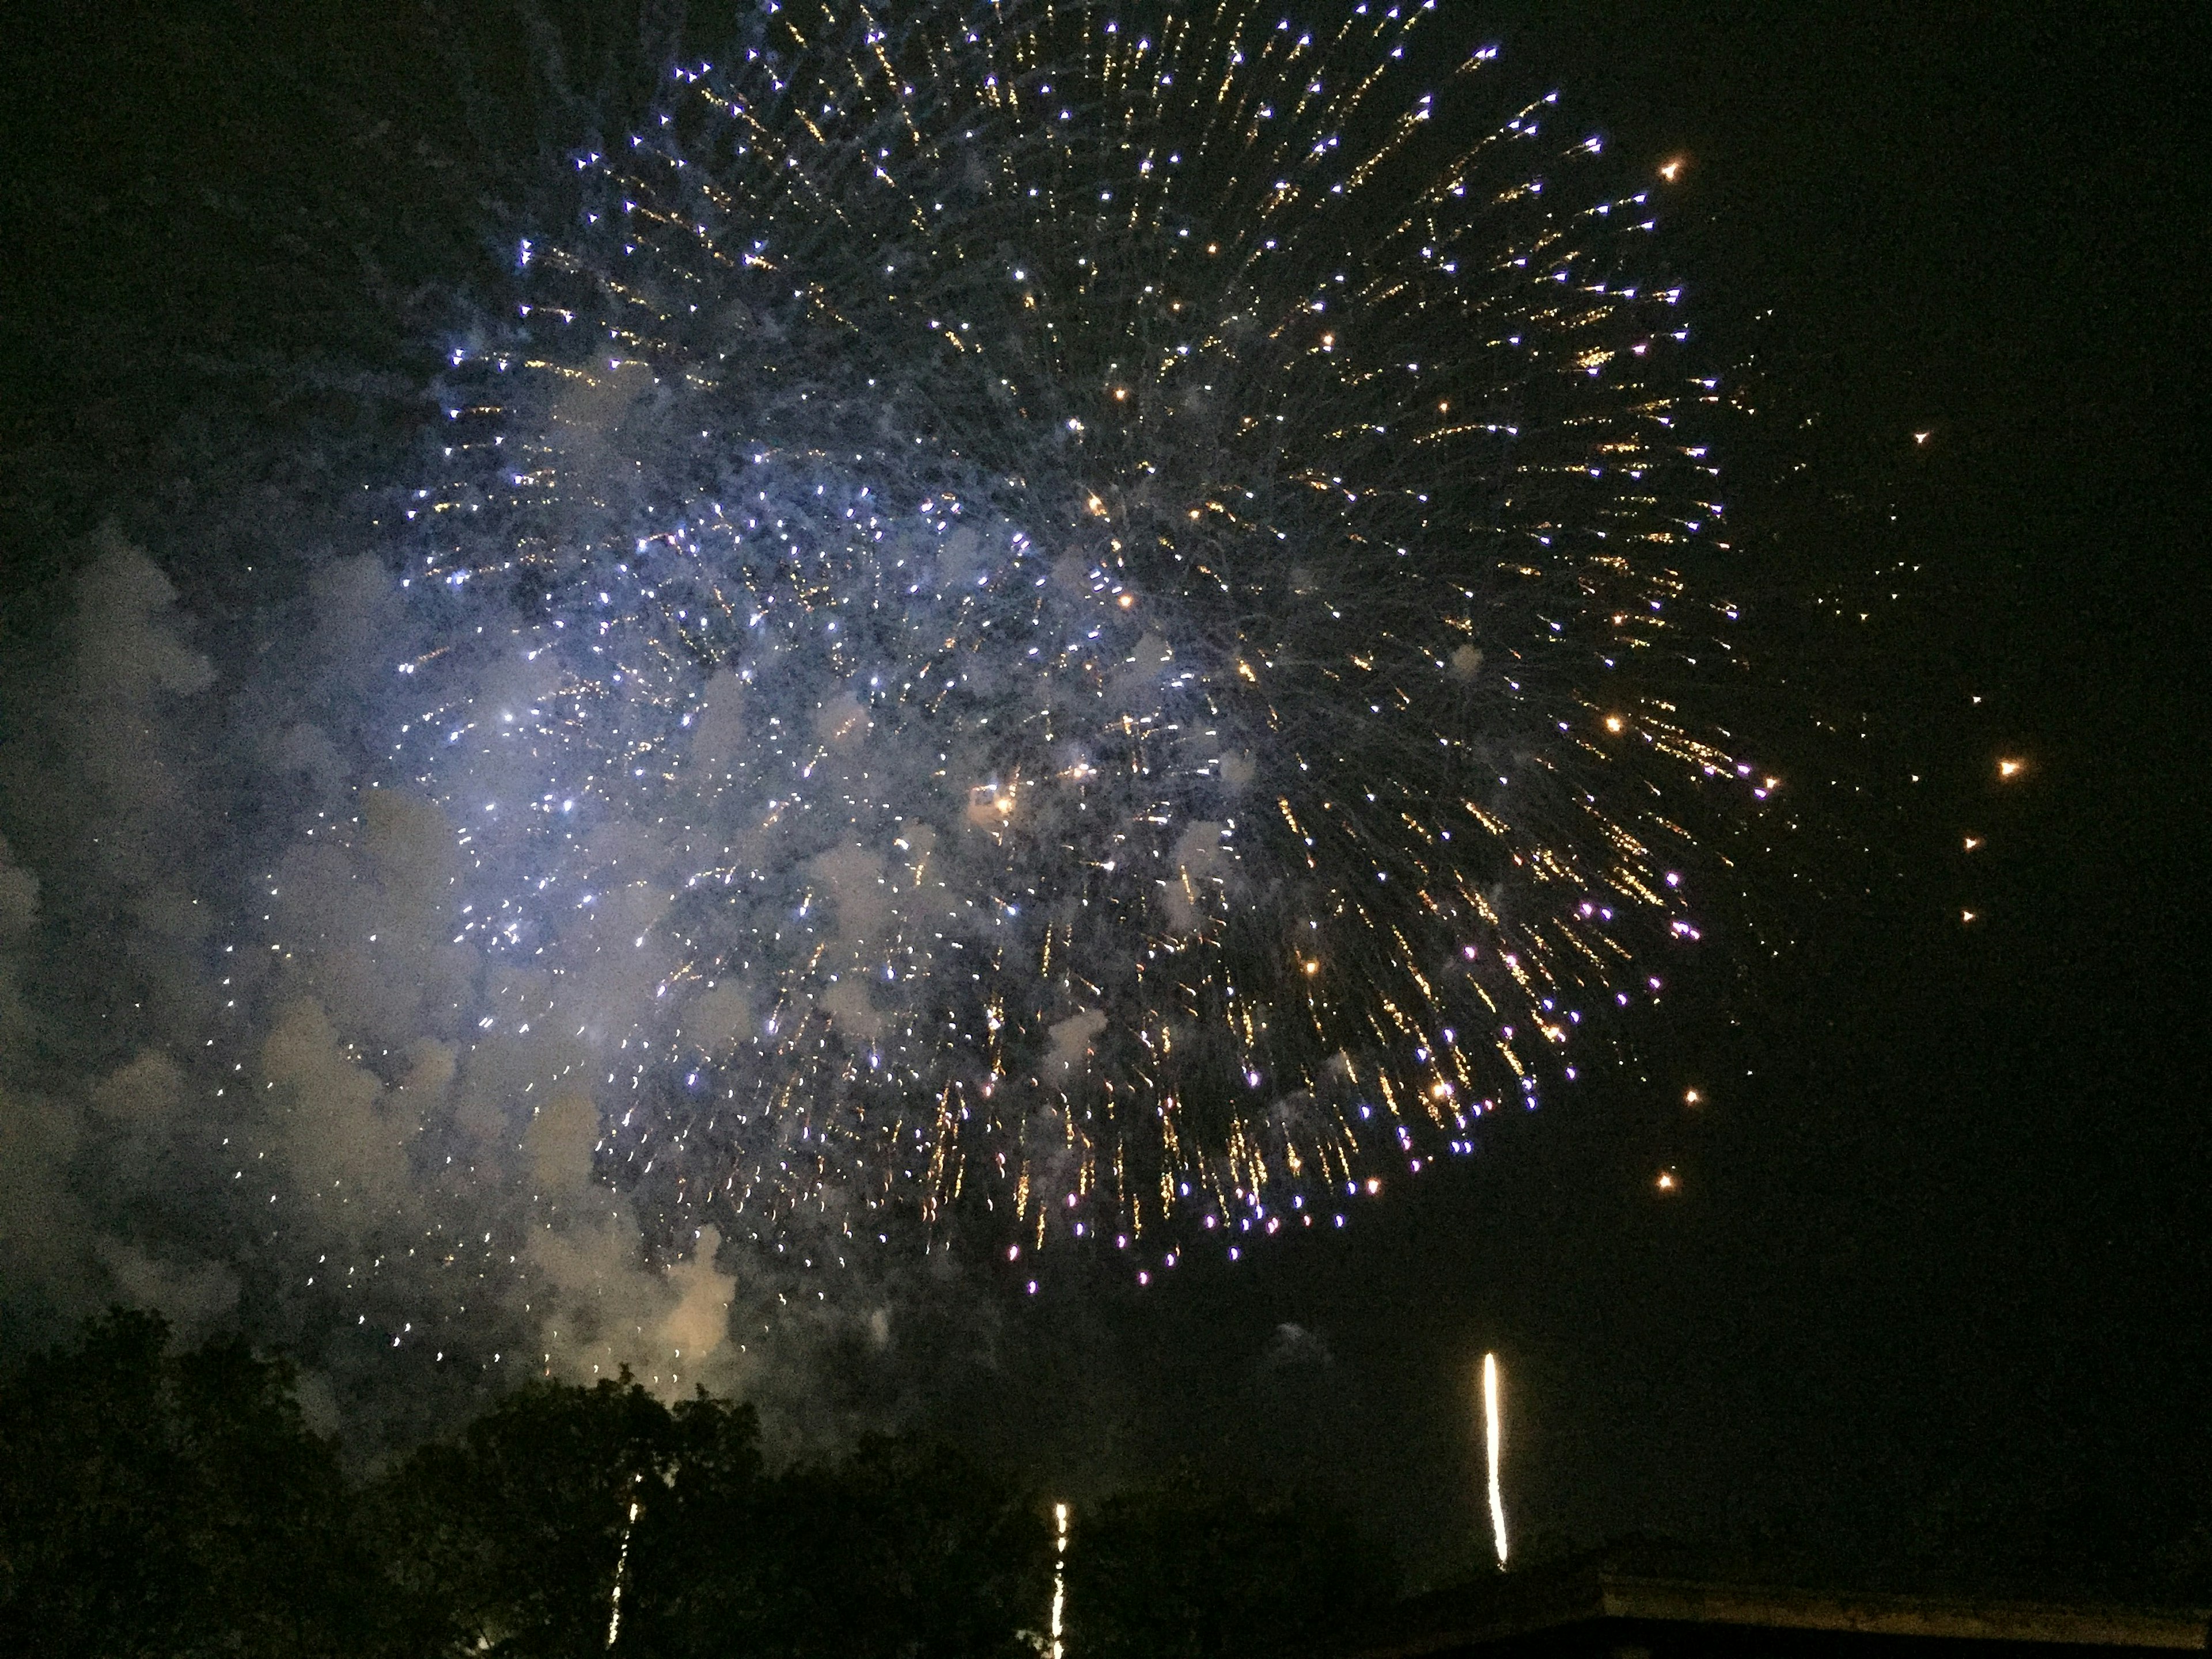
{"x": 1038, "y": 616}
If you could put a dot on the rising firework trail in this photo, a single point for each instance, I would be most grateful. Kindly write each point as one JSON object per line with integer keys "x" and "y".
{"x": 1073, "y": 626}
{"x": 1493, "y": 1441}
{"x": 1058, "y": 1579}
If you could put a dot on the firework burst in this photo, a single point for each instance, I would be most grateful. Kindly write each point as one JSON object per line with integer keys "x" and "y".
{"x": 1042, "y": 616}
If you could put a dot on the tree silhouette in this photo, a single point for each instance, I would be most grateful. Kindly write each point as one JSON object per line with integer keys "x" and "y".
{"x": 165, "y": 1504}
{"x": 174, "y": 1504}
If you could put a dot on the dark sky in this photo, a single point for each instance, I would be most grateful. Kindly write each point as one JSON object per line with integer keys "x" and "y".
{"x": 1935, "y": 1265}
{"x": 1943, "y": 1253}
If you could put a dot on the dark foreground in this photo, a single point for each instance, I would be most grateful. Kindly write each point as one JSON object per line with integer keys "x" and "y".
{"x": 160, "y": 1503}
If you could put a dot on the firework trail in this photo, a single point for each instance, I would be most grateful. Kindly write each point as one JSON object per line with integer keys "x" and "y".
{"x": 1037, "y": 617}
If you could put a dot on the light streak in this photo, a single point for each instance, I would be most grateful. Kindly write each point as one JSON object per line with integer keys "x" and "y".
{"x": 1494, "y": 1442}
{"x": 622, "y": 1565}
{"x": 1058, "y": 1576}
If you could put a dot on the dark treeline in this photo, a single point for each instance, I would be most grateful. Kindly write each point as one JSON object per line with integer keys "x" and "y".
{"x": 159, "y": 1502}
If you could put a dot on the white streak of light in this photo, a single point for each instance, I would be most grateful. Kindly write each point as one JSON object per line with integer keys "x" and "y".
{"x": 1492, "y": 1428}
{"x": 622, "y": 1561}
{"x": 1059, "y": 1574}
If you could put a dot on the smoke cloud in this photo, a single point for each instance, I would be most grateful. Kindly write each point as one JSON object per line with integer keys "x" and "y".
{"x": 253, "y": 1074}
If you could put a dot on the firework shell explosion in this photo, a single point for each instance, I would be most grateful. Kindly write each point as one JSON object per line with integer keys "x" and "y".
{"x": 1033, "y": 619}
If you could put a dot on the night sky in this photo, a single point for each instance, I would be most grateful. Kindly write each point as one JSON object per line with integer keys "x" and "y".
{"x": 1929, "y": 1278}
